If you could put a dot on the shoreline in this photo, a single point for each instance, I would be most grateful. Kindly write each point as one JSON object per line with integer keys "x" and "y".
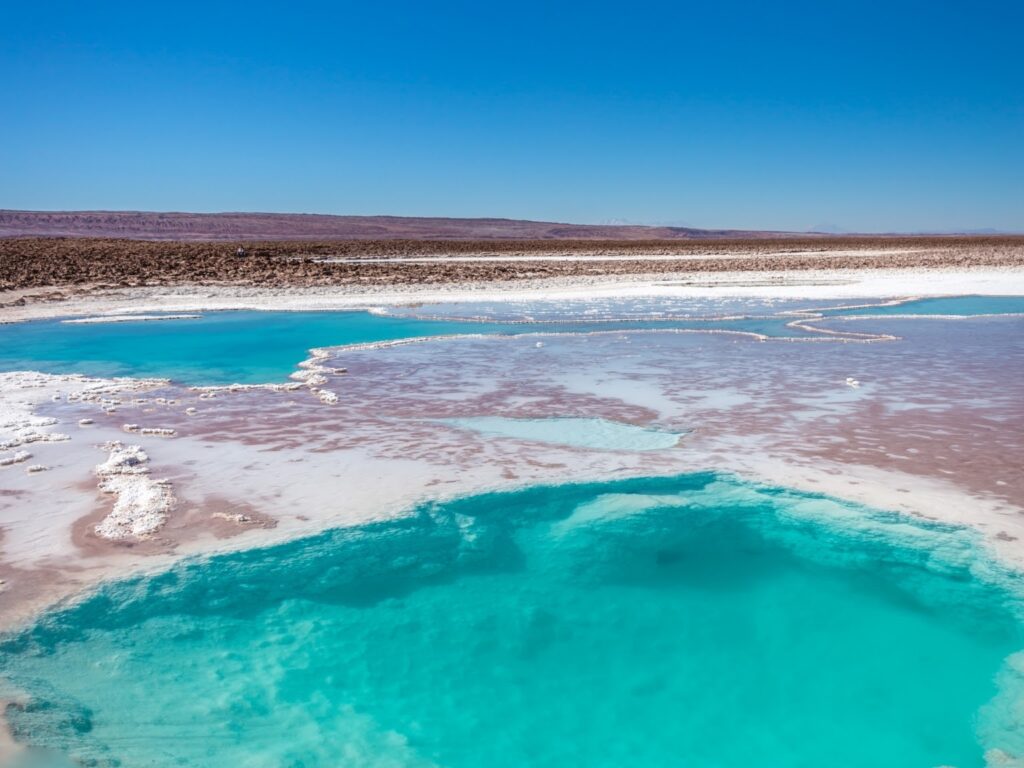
{"x": 63, "y": 302}
{"x": 872, "y": 489}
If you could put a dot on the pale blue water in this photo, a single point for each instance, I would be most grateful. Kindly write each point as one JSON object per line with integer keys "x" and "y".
{"x": 599, "y": 434}
{"x": 964, "y": 306}
{"x": 692, "y": 621}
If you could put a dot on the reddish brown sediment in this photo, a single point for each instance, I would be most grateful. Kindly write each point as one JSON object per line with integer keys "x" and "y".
{"x": 58, "y": 267}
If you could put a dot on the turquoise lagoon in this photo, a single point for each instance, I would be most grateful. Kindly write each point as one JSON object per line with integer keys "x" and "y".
{"x": 247, "y": 347}
{"x": 687, "y": 621}
{"x": 253, "y": 347}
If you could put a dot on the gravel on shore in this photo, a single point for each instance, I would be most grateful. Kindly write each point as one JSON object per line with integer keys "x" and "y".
{"x": 92, "y": 264}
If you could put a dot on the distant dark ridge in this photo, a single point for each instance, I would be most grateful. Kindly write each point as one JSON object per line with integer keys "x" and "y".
{"x": 138, "y": 225}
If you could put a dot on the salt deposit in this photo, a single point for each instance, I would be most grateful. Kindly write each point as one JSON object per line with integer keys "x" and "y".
{"x": 21, "y": 392}
{"x": 126, "y": 319}
{"x": 139, "y": 430}
{"x": 16, "y": 458}
{"x": 141, "y": 503}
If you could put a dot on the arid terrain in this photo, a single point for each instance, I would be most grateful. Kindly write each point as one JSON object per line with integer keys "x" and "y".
{"x": 91, "y": 263}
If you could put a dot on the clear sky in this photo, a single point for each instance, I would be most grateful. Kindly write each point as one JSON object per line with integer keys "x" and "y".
{"x": 866, "y": 116}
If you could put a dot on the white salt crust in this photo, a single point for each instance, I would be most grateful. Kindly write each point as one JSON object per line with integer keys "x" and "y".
{"x": 141, "y": 504}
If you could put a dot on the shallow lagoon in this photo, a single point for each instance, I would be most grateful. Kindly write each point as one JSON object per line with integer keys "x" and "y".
{"x": 253, "y": 347}
{"x": 218, "y": 348}
{"x": 694, "y": 620}
{"x": 250, "y": 347}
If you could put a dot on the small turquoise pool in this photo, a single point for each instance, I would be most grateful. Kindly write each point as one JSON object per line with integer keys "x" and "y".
{"x": 962, "y": 306}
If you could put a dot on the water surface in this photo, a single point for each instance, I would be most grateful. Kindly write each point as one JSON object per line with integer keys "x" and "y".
{"x": 961, "y": 306}
{"x": 247, "y": 347}
{"x": 685, "y": 621}
{"x": 251, "y": 347}
{"x": 599, "y": 434}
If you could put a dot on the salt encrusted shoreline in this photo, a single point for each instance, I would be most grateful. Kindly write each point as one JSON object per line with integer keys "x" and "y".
{"x": 141, "y": 503}
{"x": 127, "y": 318}
{"x": 22, "y": 391}
{"x": 312, "y": 373}
{"x": 822, "y": 284}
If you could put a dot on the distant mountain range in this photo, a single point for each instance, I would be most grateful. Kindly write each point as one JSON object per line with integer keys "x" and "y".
{"x": 176, "y": 226}
{"x": 141, "y": 225}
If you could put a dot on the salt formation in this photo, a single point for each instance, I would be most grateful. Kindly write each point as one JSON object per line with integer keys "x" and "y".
{"x": 16, "y": 458}
{"x": 159, "y": 431}
{"x": 119, "y": 318}
{"x": 19, "y": 393}
{"x": 234, "y": 517}
{"x": 142, "y": 504}
{"x": 312, "y": 373}
{"x": 22, "y": 391}
{"x": 210, "y": 392}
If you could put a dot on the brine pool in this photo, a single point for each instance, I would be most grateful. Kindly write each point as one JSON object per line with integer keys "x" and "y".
{"x": 692, "y": 621}
{"x": 254, "y": 347}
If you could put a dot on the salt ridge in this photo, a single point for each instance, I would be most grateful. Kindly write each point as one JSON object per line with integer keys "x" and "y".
{"x": 141, "y": 503}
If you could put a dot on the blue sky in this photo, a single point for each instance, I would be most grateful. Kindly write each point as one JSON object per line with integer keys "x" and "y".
{"x": 896, "y": 116}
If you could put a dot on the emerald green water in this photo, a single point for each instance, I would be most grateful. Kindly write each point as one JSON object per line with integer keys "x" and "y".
{"x": 689, "y": 621}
